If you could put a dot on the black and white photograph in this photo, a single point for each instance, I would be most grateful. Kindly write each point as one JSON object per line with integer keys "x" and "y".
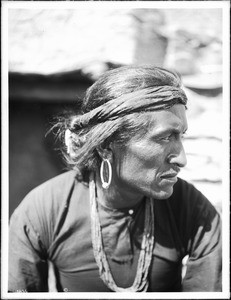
{"x": 115, "y": 150}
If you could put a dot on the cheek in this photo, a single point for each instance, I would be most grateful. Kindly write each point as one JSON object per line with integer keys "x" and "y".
{"x": 140, "y": 162}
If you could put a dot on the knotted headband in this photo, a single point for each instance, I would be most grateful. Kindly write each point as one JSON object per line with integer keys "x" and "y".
{"x": 148, "y": 99}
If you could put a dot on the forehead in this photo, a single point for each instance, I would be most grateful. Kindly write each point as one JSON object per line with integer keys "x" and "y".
{"x": 172, "y": 118}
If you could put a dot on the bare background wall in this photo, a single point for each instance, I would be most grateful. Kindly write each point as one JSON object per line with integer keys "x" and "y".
{"x": 56, "y": 54}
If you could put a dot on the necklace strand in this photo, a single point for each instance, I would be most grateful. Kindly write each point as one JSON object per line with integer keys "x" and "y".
{"x": 140, "y": 283}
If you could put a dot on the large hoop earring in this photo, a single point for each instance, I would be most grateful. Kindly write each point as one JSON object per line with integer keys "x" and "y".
{"x": 105, "y": 184}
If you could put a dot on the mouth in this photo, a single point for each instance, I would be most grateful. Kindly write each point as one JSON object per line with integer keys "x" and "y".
{"x": 170, "y": 177}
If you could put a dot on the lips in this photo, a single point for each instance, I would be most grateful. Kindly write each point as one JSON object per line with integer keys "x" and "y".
{"x": 168, "y": 180}
{"x": 169, "y": 175}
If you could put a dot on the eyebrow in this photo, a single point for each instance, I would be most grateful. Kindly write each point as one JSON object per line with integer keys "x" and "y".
{"x": 165, "y": 131}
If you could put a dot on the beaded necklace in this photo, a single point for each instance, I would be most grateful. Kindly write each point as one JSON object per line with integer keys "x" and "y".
{"x": 140, "y": 283}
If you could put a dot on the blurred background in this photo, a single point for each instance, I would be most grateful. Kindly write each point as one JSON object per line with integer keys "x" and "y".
{"x": 55, "y": 55}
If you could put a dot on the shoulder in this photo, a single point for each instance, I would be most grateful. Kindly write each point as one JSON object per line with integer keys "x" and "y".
{"x": 53, "y": 190}
{"x": 44, "y": 206}
{"x": 191, "y": 207}
{"x": 56, "y": 185}
{"x": 184, "y": 188}
{"x": 187, "y": 194}
{"x": 48, "y": 199}
{"x": 189, "y": 203}
{"x": 195, "y": 217}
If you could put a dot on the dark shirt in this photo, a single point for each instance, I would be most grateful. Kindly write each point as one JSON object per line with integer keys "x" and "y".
{"x": 53, "y": 224}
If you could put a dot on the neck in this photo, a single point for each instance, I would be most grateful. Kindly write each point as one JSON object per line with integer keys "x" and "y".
{"x": 116, "y": 197}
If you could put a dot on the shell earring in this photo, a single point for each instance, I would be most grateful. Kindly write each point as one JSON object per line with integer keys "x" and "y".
{"x": 105, "y": 184}
{"x": 68, "y": 140}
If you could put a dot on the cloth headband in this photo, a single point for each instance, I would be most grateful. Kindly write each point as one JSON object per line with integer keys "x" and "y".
{"x": 148, "y": 99}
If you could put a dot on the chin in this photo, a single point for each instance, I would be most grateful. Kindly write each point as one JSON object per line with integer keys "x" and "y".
{"x": 163, "y": 194}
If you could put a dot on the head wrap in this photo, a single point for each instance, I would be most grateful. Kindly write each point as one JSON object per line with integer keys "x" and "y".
{"x": 148, "y": 99}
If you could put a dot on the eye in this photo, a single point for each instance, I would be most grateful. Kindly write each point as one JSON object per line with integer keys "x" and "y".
{"x": 166, "y": 138}
{"x": 176, "y": 136}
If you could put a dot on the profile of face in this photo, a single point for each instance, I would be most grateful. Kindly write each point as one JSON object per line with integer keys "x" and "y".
{"x": 149, "y": 165}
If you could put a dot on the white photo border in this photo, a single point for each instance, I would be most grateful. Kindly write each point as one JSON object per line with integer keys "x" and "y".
{"x": 225, "y": 6}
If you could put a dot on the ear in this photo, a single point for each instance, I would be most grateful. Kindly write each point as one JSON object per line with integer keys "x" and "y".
{"x": 105, "y": 152}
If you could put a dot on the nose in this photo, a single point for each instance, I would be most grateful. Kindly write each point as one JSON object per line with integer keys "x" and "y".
{"x": 178, "y": 157}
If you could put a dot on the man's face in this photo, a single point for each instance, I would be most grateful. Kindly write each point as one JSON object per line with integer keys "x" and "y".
{"x": 149, "y": 165}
